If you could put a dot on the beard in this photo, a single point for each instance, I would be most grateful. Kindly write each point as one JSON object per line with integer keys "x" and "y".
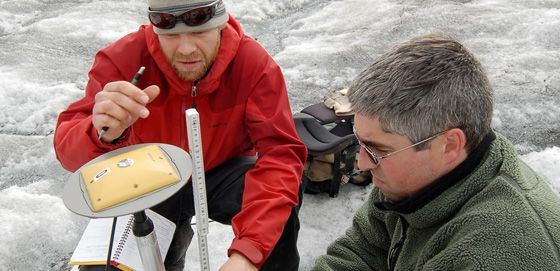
{"x": 191, "y": 75}
{"x": 206, "y": 62}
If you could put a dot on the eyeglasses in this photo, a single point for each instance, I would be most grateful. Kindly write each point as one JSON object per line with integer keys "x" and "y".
{"x": 193, "y": 17}
{"x": 376, "y": 159}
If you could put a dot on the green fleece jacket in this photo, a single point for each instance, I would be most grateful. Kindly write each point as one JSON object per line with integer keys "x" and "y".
{"x": 500, "y": 216}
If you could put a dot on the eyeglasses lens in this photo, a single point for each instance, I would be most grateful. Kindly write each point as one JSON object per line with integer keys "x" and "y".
{"x": 163, "y": 20}
{"x": 372, "y": 155}
{"x": 197, "y": 16}
{"x": 369, "y": 152}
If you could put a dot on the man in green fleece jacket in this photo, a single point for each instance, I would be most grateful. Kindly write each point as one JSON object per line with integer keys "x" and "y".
{"x": 450, "y": 193}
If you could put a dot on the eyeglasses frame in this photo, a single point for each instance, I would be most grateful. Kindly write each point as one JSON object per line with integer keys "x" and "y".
{"x": 376, "y": 159}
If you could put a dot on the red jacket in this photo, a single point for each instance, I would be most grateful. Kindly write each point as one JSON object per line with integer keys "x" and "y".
{"x": 244, "y": 109}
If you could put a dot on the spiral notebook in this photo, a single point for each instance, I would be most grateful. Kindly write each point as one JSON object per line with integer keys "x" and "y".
{"x": 94, "y": 244}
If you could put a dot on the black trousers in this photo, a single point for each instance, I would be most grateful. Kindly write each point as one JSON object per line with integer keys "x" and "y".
{"x": 224, "y": 188}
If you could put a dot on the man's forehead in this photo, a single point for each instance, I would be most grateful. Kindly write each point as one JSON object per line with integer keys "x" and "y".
{"x": 371, "y": 132}
{"x": 367, "y": 124}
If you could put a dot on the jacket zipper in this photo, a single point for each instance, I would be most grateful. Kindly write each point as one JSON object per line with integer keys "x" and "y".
{"x": 193, "y": 94}
{"x": 396, "y": 249}
{"x": 183, "y": 109}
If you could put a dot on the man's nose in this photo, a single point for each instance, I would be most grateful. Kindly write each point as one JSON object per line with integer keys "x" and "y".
{"x": 187, "y": 44}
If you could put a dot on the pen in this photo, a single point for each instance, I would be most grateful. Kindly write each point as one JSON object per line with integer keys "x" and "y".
{"x": 133, "y": 81}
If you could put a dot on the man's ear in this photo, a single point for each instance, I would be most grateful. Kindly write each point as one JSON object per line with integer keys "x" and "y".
{"x": 454, "y": 151}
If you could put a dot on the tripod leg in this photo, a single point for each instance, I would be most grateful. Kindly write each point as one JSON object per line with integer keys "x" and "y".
{"x": 175, "y": 259}
{"x": 146, "y": 238}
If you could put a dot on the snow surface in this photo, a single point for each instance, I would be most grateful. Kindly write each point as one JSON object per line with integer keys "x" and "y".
{"x": 47, "y": 47}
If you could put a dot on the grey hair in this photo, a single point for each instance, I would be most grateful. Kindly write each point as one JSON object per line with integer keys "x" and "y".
{"x": 425, "y": 86}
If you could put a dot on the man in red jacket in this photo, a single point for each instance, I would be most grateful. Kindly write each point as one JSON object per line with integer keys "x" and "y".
{"x": 196, "y": 55}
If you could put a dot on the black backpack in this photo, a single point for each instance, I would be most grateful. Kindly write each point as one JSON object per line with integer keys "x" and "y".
{"x": 332, "y": 149}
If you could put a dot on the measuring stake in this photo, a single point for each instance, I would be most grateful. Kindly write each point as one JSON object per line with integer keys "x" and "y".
{"x": 199, "y": 185}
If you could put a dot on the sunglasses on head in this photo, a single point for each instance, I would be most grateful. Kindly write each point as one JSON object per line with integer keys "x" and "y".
{"x": 192, "y": 17}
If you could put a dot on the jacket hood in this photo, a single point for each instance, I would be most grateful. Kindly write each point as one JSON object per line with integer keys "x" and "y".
{"x": 230, "y": 39}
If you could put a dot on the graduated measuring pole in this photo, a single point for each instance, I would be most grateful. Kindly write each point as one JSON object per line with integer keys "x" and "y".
{"x": 199, "y": 185}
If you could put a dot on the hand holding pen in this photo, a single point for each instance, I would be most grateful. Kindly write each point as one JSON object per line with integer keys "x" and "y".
{"x": 119, "y": 105}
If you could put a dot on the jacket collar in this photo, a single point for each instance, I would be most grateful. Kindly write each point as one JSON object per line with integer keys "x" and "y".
{"x": 230, "y": 40}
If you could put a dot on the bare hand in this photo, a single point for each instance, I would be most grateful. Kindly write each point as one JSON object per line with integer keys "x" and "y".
{"x": 119, "y": 105}
{"x": 236, "y": 262}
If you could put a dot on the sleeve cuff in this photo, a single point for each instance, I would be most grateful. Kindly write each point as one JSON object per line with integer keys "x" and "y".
{"x": 119, "y": 142}
{"x": 248, "y": 250}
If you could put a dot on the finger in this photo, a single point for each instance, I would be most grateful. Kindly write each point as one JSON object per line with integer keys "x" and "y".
{"x": 152, "y": 92}
{"x": 131, "y": 106}
{"x": 113, "y": 110}
{"x": 103, "y": 120}
{"x": 127, "y": 89}
{"x": 110, "y": 109}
